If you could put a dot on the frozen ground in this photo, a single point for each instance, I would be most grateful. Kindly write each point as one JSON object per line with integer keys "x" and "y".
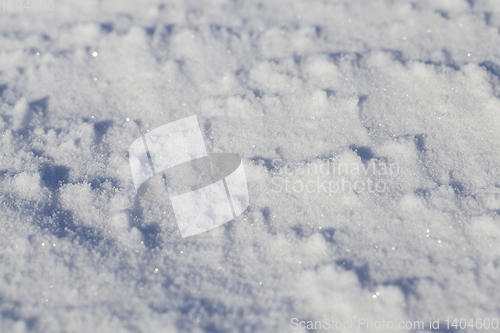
{"x": 415, "y": 84}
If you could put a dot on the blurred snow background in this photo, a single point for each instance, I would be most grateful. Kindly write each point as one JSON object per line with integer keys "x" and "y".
{"x": 414, "y": 83}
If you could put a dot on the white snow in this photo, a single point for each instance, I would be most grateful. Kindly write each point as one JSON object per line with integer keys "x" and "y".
{"x": 285, "y": 86}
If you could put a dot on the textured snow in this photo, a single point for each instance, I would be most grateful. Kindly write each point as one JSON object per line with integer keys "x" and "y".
{"x": 286, "y": 86}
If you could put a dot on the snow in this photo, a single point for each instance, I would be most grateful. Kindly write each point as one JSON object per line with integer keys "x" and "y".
{"x": 286, "y": 86}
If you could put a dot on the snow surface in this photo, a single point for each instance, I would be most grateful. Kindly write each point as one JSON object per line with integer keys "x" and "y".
{"x": 415, "y": 84}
